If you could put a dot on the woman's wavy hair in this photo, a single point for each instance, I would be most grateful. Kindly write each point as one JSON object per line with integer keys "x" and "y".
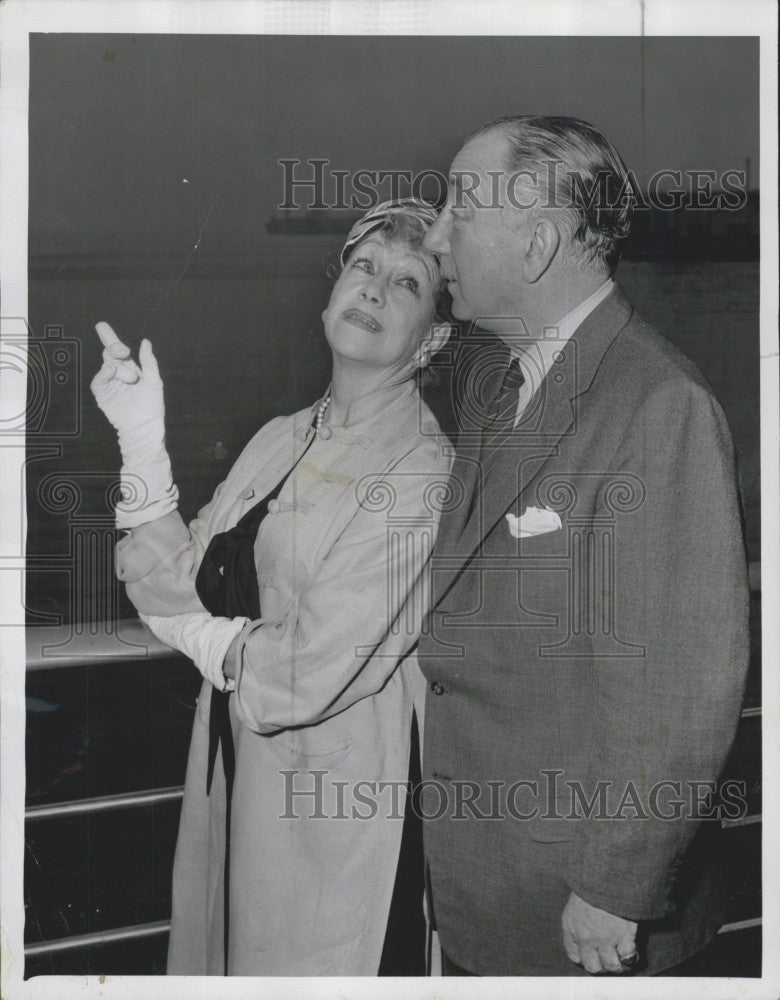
{"x": 404, "y": 222}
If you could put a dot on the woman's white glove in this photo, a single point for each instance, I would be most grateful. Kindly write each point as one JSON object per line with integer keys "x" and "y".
{"x": 132, "y": 399}
{"x": 202, "y": 637}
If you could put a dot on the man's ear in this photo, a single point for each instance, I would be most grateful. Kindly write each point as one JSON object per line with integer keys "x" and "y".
{"x": 541, "y": 247}
{"x": 324, "y": 313}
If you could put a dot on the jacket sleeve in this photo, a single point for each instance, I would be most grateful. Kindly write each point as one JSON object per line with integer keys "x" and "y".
{"x": 158, "y": 562}
{"x": 669, "y": 715}
{"x": 357, "y": 618}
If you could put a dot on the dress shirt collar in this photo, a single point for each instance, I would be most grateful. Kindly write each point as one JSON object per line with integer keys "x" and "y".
{"x": 537, "y": 355}
{"x": 568, "y": 325}
{"x": 579, "y": 313}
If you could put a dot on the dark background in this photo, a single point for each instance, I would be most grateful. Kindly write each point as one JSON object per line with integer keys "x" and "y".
{"x": 154, "y": 193}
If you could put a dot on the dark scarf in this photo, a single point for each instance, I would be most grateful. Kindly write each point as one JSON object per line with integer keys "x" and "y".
{"x": 227, "y": 587}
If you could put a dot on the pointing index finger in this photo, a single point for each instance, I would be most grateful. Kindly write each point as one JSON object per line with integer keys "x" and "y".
{"x": 113, "y": 348}
{"x": 106, "y": 334}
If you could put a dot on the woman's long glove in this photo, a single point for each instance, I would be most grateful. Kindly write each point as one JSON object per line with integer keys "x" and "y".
{"x": 132, "y": 399}
{"x": 202, "y": 637}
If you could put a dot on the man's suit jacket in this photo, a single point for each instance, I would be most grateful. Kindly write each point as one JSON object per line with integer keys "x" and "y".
{"x": 579, "y": 680}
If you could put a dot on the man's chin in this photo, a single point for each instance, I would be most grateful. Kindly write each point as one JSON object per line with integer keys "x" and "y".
{"x": 460, "y": 310}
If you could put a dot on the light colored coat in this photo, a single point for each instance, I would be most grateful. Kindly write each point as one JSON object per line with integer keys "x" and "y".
{"x": 324, "y": 692}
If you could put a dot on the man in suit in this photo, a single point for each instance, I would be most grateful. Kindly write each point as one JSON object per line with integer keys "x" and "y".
{"x": 587, "y": 645}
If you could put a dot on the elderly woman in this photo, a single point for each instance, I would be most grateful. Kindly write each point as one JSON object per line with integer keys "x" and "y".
{"x": 298, "y": 591}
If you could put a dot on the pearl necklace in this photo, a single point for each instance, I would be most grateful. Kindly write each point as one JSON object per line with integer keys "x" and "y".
{"x": 321, "y": 411}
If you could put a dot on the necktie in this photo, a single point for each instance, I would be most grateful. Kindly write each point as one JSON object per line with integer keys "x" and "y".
{"x": 501, "y": 420}
{"x": 505, "y": 405}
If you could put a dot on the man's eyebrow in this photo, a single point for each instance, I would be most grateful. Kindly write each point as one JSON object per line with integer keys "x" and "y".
{"x": 457, "y": 184}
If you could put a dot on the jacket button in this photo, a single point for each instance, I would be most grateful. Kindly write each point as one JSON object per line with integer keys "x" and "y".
{"x": 274, "y": 506}
{"x": 437, "y": 688}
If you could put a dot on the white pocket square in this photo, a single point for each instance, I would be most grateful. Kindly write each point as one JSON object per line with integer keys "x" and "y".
{"x": 535, "y": 521}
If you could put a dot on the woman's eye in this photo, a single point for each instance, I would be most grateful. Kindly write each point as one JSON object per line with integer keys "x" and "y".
{"x": 411, "y": 283}
{"x": 364, "y": 264}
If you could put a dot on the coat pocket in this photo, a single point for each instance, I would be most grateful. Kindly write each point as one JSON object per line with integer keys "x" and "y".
{"x": 302, "y": 753}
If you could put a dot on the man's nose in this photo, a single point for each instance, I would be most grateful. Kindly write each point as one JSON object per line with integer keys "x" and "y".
{"x": 436, "y": 240}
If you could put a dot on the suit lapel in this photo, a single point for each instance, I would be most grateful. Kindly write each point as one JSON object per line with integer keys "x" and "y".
{"x": 474, "y": 421}
{"x": 511, "y": 461}
{"x": 507, "y": 463}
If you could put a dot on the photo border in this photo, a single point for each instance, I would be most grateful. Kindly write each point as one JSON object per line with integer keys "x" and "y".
{"x": 18, "y": 20}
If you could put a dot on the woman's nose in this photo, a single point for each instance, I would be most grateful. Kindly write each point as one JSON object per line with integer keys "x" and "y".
{"x": 373, "y": 290}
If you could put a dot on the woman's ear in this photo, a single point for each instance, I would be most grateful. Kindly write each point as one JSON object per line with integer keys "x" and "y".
{"x": 436, "y": 338}
{"x": 433, "y": 341}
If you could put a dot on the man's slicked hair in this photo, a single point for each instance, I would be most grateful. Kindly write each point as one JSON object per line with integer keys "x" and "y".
{"x": 580, "y": 175}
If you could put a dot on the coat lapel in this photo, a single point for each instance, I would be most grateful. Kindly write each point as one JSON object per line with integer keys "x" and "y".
{"x": 474, "y": 422}
{"x": 511, "y": 461}
{"x": 498, "y": 470}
